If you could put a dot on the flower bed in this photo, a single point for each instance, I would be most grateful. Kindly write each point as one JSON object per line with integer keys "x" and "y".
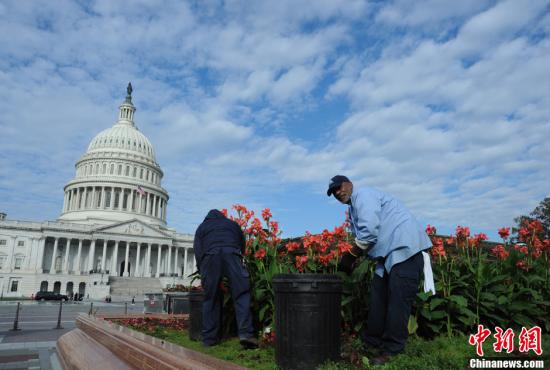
{"x": 150, "y": 325}
{"x": 439, "y": 353}
{"x": 477, "y": 282}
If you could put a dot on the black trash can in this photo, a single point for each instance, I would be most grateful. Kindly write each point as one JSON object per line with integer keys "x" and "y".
{"x": 195, "y": 315}
{"x": 307, "y": 320}
{"x": 179, "y": 303}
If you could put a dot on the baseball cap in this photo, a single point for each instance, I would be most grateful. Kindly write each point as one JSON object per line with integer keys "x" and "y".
{"x": 335, "y": 183}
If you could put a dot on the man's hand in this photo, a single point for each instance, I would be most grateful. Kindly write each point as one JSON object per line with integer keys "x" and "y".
{"x": 347, "y": 262}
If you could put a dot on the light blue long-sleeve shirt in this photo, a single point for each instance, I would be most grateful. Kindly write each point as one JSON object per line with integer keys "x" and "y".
{"x": 385, "y": 223}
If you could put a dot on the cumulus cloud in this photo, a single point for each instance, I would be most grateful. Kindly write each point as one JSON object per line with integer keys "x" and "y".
{"x": 445, "y": 106}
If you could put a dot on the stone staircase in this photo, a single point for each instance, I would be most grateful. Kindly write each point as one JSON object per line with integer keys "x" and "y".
{"x": 124, "y": 288}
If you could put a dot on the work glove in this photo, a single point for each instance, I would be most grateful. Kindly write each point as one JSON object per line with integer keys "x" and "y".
{"x": 347, "y": 263}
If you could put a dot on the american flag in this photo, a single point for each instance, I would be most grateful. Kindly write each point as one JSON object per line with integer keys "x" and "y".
{"x": 140, "y": 190}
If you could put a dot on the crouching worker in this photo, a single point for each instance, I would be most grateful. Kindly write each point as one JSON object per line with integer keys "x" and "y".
{"x": 219, "y": 244}
{"x": 388, "y": 233}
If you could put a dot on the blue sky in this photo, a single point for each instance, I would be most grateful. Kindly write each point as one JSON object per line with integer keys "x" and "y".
{"x": 443, "y": 104}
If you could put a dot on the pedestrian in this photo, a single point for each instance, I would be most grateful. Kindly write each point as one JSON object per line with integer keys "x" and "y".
{"x": 219, "y": 245}
{"x": 386, "y": 232}
{"x": 134, "y": 300}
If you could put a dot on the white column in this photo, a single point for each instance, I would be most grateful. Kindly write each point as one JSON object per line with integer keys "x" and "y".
{"x": 131, "y": 197}
{"x": 136, "y": 273}
{"x": 104, "y": 256}
{"x": 91, "y": 256}
{"x": 176, "y": 254}
{"x": 102, "y": 204}
{"x": 168, "y": 267}
{"x": 148, "y": 264}
{"x": 159, "y": 249}
{"x": 52, "y": 267}
{"x": 94, "y": 198}
{"x": 86, "y": 195}
{"x": 140, "y": 201}
{"x": 78, "y": 255}
{"x": 126, "y": 272}
{"x": 40, "y": 256}
{"x": 112, "y": 200}
{"x": 65, "y": 202}
{"x": 114, "y": 267}
{"x": 146, "y": 203}
{"x": 185, "y": 262}
{"x": 66, "y": 259}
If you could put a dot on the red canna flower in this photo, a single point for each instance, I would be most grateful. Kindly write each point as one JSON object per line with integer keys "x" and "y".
{"x": 292, "y": 246}
{"x": 522, "y": 248}
{"x": 343, "y": 247}
{"x": 438, "y": 249}
{"x": 431, "y": 230}
{"x": 300, "y": 262}
{"x": 522, "y": 265}
{"x": 260, "y": 254}
{"x": 462, "y": 232}
{"x": 500, "y": 252}
{"x": 266, "y": 214}
{"x": 504, "y": 232}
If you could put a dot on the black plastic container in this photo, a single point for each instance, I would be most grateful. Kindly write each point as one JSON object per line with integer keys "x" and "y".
{"x": 195, "y": 315}
{"x": 176, "y": 302}
{"x": 179, "y": 304}
{"x": 307, "y": 320}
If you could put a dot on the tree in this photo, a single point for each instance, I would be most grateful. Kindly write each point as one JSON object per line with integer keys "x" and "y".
{"x": 541, "y": 213}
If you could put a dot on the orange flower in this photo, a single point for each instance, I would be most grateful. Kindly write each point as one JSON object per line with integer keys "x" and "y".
{"x": 438, "y": 249}
{"x": 292, "y": 246}
{"x": 504, "y": 232}
{"x": 266, "y": 214}
{"x": 300, "y": 262}
{"x": 260, "y": 254}
{"x": 500, "y": 252}
{"x": 431, "y": 230}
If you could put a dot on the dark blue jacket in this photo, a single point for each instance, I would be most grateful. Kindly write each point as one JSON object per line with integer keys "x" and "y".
{"x": 217, "y": 231}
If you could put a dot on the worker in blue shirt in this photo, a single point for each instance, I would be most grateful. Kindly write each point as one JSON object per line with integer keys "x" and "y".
{"x": 218, "y": 245}
{"x": 386, "y": 232}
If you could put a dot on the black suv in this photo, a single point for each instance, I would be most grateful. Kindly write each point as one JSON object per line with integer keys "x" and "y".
{"x": 50, "y": 296}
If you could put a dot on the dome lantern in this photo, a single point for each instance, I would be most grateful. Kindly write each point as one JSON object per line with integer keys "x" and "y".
{"x": 127, "y": 109}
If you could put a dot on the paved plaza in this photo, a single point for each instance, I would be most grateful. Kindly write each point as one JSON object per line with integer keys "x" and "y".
{"x": 33, "y": 345}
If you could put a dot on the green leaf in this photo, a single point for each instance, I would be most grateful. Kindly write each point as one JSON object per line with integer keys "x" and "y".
{"x": 412, "y": 326}
{"x": 436, "y": 315}
{"x": 459, "y": 300}
{"x": 436, "y": 302}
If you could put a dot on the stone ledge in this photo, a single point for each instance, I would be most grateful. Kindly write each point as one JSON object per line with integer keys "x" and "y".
{"x": 99, "y": 344}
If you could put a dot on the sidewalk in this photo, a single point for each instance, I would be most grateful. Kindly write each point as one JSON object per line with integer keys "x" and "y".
{"x": 29, "y": 355}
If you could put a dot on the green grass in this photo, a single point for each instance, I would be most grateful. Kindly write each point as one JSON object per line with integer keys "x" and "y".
{"x": 420, "y": 354}
{"x": 228, "y": 350}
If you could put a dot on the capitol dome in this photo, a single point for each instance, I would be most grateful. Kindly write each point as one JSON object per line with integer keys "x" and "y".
{"x": 122, "y": 137}
{"x": 118, "y": 178}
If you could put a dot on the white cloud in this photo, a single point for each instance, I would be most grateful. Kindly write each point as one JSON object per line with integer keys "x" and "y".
{"x": 446, "y": 106}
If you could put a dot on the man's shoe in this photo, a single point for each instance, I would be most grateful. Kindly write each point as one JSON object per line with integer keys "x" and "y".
{"x": 249, "y": 343}
{"x": 210, "y": 344}
{"x": 380, "y": 360}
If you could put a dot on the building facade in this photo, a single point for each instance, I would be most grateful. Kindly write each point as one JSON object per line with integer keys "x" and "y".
{"x": 112, "y": 224}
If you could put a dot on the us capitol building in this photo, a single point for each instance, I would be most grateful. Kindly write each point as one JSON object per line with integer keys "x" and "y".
{"x": 111, "y": 237}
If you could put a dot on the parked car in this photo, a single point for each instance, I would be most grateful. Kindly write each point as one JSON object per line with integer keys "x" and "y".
{"x": 50, "y": 296}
